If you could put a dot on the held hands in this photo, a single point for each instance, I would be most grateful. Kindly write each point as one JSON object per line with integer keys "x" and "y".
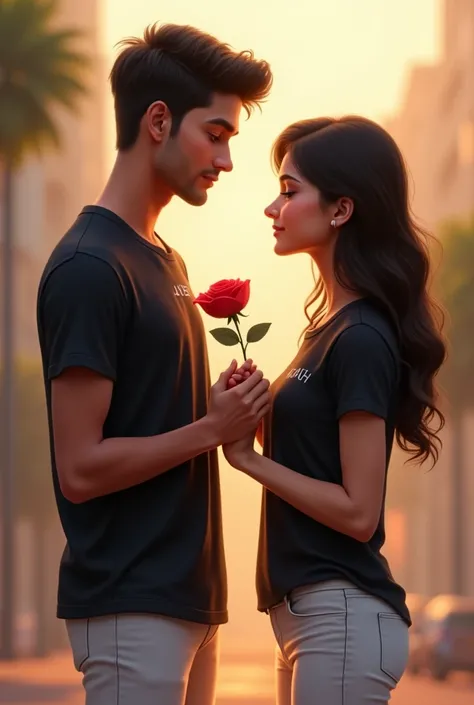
{"x": 239, "y": 400}
{"x": 242, "y": 373}
{"x": 236, "y": 452}
{"x": 239, "y": 452}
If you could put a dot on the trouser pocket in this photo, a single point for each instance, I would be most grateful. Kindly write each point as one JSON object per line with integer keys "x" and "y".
{"x": 316, "y": 602}
{"x": 393, "y": 633}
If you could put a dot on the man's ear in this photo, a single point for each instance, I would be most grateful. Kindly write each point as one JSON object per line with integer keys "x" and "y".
{"x": 158, "y": 121}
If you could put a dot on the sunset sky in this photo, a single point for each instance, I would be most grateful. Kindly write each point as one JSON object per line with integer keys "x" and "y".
{"x": 328, "y": 58}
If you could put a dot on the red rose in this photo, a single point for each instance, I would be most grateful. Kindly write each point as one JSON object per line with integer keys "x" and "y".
{"x": 225, "y": 298}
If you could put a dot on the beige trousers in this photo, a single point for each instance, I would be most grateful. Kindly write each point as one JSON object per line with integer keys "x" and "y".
{"x": 337, "y": 645}
{"x": 141, "y": 659}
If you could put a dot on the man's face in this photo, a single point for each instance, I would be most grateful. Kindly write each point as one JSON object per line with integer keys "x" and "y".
{"x": 191, "y": 161}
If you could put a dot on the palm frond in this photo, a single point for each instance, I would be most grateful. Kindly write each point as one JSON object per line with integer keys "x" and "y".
{"x": 26, "y": 126}
{"x": 40, "y": 66}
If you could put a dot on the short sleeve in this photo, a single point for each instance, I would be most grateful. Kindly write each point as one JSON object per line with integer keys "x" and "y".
{"x": 363, "y": 372}
{"x": 81, "y": 316}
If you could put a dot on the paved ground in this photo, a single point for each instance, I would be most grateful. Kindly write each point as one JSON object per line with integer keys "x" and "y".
{"x": 244, "y": 680}
{"x": 423, "y": 691}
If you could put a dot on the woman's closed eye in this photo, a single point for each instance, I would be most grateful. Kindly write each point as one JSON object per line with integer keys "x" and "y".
{"x": 287, "y": 194}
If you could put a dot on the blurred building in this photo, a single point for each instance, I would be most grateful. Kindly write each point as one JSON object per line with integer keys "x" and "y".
{"x": 49, "y": 192}
{"x": 435, "y": 125}
{"x": 435, "y": 131}
{"x": 74, "y": 176}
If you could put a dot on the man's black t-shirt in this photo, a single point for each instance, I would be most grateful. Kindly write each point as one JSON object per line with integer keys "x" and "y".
{"x": 352, "y": 363}
{"x": 115, "y": 303}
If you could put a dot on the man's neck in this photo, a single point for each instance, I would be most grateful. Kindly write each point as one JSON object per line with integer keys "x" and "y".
{"x": 130, "y": 192}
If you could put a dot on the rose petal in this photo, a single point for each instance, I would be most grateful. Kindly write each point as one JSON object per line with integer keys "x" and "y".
{"x": 232, "y": 287}
{"x": 221, "y": 307}
{"x": 232, "y": 290}
{"x": 243, "y": 295}
{"x": 221, "y": 286}
{"x": 203, "y": 297}
{"x": 225, "y": 298}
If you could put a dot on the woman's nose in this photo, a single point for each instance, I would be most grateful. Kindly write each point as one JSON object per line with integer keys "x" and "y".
{"x": 271, "y": 211}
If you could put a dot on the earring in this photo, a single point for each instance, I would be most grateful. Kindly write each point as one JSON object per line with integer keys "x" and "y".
{"x": 333, "y": 223}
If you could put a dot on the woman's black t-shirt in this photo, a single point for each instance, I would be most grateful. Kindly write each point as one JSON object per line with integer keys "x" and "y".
{"x": 351, "y": 363}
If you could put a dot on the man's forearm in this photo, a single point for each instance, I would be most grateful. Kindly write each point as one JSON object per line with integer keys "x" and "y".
{"x": 119, "y": 463}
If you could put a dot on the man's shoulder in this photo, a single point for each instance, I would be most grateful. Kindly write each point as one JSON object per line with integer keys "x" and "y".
{"x": 86, "y": 248}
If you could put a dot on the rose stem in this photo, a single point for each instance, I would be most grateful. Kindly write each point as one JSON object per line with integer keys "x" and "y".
{"x": 244, "y": 348}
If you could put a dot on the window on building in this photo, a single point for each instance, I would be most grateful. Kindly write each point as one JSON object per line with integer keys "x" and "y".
{"x": 453, "y": 88}
{"x": 449, "y": 169}
{"x": 466, "y": 142}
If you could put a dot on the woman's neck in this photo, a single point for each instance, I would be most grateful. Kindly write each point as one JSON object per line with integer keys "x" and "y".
{"x": 337, "y": 296}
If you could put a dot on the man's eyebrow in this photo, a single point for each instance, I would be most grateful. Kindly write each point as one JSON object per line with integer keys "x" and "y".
{"x": 289, "y": 177}
{"x": 222, "y": 122}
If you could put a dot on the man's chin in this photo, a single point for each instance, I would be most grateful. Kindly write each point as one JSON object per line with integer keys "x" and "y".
{"x": 195, "y": 197}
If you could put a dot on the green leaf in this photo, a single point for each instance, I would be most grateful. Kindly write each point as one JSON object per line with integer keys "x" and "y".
{"x": 257, "y": 332}
{"x": 229, "y": 320}
{"x": 225, "y": 336}
{"x": 244, "y": 315}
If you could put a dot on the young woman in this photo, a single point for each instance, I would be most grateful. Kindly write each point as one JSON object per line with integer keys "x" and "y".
{"x": 363, "y": 375}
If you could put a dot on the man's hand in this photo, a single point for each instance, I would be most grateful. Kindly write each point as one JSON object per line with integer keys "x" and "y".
{"x": 236, "y": 412}
{"x": 91, "y": 466}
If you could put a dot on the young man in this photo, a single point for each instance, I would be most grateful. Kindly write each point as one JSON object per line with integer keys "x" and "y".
{"x": 134, "y": 424}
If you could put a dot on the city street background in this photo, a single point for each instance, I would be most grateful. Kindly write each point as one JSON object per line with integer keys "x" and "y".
{"x": 408, "y": 64}
{"x": 243, "y": 681}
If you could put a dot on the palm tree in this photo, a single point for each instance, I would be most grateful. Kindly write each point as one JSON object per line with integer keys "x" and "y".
{"x": 40, "y": 68}
{"x": 456, "y": 289}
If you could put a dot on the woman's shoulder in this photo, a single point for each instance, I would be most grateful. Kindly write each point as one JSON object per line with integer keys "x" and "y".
{"x": 364, "y": 328}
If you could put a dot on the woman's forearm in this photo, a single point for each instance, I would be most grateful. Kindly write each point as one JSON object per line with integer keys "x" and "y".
{"x": 325, "y": 502}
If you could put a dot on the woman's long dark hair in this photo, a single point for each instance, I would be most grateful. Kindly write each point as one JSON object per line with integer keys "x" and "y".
{"x": 380, "y": 254}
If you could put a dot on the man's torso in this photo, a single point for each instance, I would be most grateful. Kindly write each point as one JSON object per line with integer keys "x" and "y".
{"x": 156, "y": 547}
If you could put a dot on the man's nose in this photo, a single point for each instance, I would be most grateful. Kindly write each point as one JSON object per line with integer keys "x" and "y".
{"x": 224, "y": 162}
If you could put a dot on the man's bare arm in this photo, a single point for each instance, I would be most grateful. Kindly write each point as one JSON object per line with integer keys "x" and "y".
{"x": 90, "y": 466}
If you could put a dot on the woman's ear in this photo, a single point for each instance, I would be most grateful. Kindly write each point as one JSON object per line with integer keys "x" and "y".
{"x": 343, "y": 211}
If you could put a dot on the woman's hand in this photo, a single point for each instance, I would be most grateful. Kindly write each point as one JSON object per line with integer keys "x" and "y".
{"x": 241, "y": 374}
{"x": 239, "y": 452}
{"x": 241, "y": 449}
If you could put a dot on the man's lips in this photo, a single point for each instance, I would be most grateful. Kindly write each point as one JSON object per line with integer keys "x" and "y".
{"x": 277, "y": 230}
{"x": 210, "y": 178}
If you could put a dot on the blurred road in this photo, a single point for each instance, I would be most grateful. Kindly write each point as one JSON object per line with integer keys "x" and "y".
{"x": 423, "y": 691}
{"x": 243, "y": 681}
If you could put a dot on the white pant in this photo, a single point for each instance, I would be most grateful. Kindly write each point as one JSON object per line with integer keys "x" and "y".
{"x": 142, "y": 659}
{"x": 337, "y": 645}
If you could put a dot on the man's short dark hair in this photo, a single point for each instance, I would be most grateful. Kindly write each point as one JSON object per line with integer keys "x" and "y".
{"x": 183, "y": 67}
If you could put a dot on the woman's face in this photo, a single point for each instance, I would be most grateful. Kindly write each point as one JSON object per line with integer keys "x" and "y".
{"x": 301, "y": 220}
